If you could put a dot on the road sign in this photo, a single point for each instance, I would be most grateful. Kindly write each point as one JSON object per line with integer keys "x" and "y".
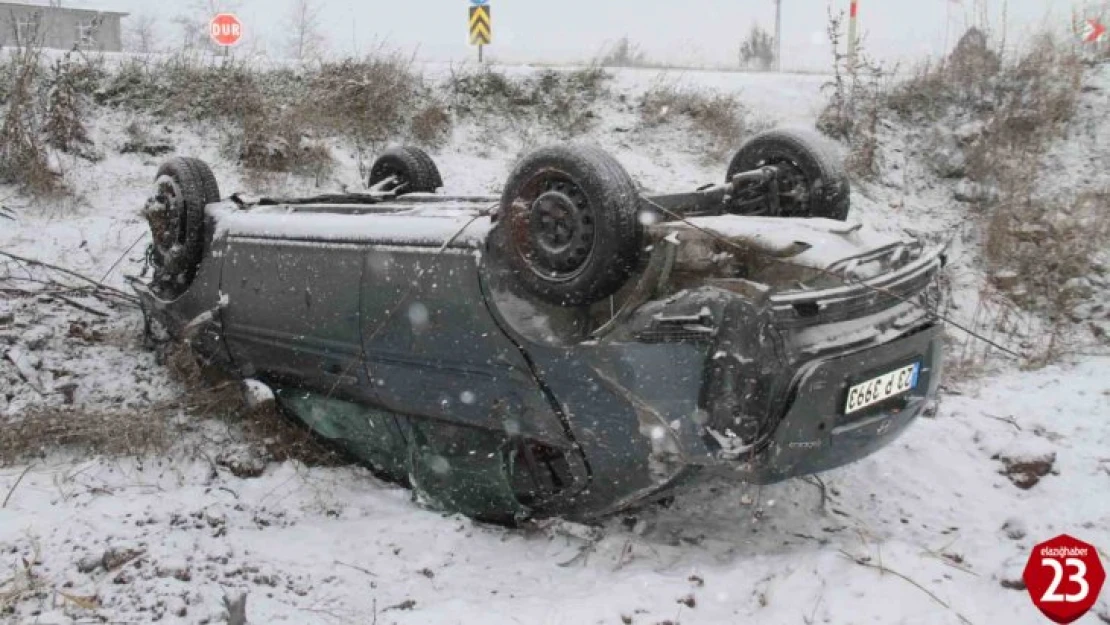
{"x": 1094, "y": 31}
{"x": 1064, "y": 577}
{"x": 225, "y": 29}
{"x": 481, "y": 27}
{"x": 479, "y": 2}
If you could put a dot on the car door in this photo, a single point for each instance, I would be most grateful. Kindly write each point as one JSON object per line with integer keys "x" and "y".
{"x": 292, "y": 313}
{"x": 433, "y": 349}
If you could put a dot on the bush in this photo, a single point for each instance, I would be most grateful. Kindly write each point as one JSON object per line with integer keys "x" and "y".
{"x": 431, "y": 125}
{"x": 278, "y": 149}
{"x": 1032, "y": 101}
{"x": 857, "y": 97}
{"x": 563, "y": 101}
{"x": 64, "y": 126}
{"x": 366, "y": 100}
{"x": 988, "y": 122}
{"x": 1041, "y": 252}
{"x": 975, "y": 80}
{"x": 276, "y": 113}
{"x": 719, "y": 119}
{"x": 23, "y": 157}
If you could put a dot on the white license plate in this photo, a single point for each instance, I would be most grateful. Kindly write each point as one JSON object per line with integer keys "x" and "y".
{"x": 882, "y": 387}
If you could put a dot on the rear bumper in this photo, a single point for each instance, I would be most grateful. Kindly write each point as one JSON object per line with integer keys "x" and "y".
{"x": 814, "y": 434}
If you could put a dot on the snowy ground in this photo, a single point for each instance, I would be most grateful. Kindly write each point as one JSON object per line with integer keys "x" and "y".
{"x": 165, "y": 539}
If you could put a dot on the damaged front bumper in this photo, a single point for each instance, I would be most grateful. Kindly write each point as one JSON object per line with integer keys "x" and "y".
{"x": 815, "y": 433}
{"x": 773, "y": 373}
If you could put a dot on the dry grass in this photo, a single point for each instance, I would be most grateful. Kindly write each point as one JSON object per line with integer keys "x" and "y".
{"x": 1019, "y": 106}
{"x": 1033, "y": 101}
{"x": 188, "y": 87}
{"x": 1022, "y": 104}
{"x": 991, "y": 119}
{"x": 431, "y": 125}
{"x": 23, "y": 155}
{"x": 279, "y": 144}
{"x": 137, "y": 431}
{"x": 998, "y": 319}
{"x": 856, "y": 99}
{"x": 367, "y": 101}
{"x": 104, "y": 432}
{"x": 1040, "y": 251}
{"x": 276, "y": 119}
{"x": 1043, "y": 246}
{"x": 966, "y": 79}
{"x": 275, "y": 435}
{"x": 65, "y": 117}
{"x": 25, "y": 584}
{"x": 165, "y": 427}
{"x": 720, "y": 120}
{"x": 560, "y": 101}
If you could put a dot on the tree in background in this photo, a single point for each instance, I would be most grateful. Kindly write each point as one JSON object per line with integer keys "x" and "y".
{"x": 305, "y": 42}
{"x": 758, "y": 50}
{"x": 141, "y": 33}
{"x": 624, "y": 53}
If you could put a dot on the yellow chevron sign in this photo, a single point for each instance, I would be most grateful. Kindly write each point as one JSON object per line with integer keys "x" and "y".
{"x": 481, "y": 27}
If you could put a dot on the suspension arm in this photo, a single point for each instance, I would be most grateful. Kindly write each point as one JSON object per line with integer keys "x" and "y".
{"x": 713, "y": 199}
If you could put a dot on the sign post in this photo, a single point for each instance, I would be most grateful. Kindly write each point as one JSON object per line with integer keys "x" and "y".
{"x": 226, "y": 31}
{"x": 481, "y": 25}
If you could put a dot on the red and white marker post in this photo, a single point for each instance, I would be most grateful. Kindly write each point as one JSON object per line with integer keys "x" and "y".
{"x": 853, "y": 11}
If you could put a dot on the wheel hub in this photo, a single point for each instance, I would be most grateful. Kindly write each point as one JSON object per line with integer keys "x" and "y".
{"x": 791, "y": 188}
{"x": 560, "y": 228}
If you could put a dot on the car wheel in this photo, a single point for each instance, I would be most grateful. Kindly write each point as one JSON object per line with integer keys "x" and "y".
{"x": 812, "y": 181}
{"x": 414, "y": 170}
{"x": 175, "y": 214}
{"x": 572, "y": 233}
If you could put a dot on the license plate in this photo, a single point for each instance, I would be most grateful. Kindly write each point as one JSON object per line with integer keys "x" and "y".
{"x": 882, "y": 387}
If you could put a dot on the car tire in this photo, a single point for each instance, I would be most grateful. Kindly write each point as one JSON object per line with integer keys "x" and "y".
{"x": 571, "y": 228}
{"x": 816, "y": 184}
{"x": 183, "y": 187}
{"x": 209, "y": 185}
{"x": 412, "y": 166}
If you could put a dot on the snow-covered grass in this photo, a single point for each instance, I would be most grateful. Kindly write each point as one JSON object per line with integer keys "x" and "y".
{"x": 336, "y": 545}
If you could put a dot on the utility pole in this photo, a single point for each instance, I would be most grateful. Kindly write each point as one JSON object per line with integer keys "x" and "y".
{"x": 778, "y": 35}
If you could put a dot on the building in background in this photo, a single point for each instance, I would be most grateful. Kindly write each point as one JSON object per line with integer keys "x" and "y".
{"x": 58, "y": 25}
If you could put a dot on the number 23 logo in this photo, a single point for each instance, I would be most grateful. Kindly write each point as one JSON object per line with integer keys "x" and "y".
{"x": 1079, "y": 577}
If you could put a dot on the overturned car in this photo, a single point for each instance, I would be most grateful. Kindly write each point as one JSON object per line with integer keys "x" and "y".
{"x": 573, "y": 347}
